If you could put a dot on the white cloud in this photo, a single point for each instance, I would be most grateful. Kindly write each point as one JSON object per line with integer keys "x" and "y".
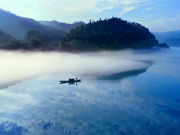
{"x": 154, "y": 7}
{"x": 125, "y": 5}
{"x": 68, "y": 10}
{"x": 147, "y": 9}
{"x": 130, "y": 5}
{"x": 126, "y": 9}
{"x": 147, "y": 3}
{"x": 11, "y": 102}
{"x": 68, "y": 5}
{"x": 163, "y": 24}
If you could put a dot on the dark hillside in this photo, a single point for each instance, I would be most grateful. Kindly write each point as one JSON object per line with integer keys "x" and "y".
{"x": 4, "y": 37}
{"x": 18, "y": 26}
{"x": 62, "y": 26}
{"x": 109, "y": 34}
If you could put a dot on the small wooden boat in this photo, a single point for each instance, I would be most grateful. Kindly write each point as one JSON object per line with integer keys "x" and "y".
{"x": 70, "y": 81}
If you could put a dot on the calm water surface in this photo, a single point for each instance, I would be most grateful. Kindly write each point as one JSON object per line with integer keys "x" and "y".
{"x": 144, "y": 103}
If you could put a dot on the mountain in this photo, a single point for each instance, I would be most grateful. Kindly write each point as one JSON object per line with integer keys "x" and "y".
{"x": 62, "y": 26}
{"x": 172, "y": 37}
{"x": 17, "y": 26}
{"x": 8, "y": 42}
{"x": 109, "y": 34}
{"x": 4, "y": 37}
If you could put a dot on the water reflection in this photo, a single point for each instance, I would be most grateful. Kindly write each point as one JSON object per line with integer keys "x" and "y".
{"x": 121, "y": 75}
{"x": 8, "y": 128}
{"x": 40, "y": 106}
{"x": 145, "y": 103}
{"x": 71, "y": 81}
{"x": 6, "y": 85}
{"x": 34, "y": 64}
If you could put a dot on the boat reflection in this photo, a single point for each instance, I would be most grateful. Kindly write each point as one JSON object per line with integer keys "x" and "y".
{"x": 70, "y": 81}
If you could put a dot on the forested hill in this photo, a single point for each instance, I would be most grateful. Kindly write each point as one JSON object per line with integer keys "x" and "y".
{"x": 62, "y": 26}
{"x": 18, "y": 27}
{"x": 109, "y": 34}
{"x": 4, "y": 37}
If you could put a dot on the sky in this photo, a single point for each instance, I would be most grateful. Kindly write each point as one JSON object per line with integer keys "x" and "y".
{"x": 157, "y": 15}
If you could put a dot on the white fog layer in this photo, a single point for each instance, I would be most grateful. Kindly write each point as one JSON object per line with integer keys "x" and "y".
{"x": 17, "y": 66}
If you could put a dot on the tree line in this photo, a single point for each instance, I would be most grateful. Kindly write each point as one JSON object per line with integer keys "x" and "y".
{"x": 108, "y": 34}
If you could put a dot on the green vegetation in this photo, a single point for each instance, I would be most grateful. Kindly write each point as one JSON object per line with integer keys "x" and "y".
{"x": 109, "y": 34}
{"x": 33, "y": 40}
{"x": 4, "y": 37}
{"x": 66, "y": 27}
{"x": 24, "y": 33}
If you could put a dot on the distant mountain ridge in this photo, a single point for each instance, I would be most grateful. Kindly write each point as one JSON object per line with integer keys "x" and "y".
{"x": 66, "y": 27}
{"x": 17, "y": 26}
{"x": 110, "y": 34}
{"x": 172, "y": 37}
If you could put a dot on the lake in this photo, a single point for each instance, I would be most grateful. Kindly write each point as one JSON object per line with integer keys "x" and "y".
{"x": 121, "y": 93}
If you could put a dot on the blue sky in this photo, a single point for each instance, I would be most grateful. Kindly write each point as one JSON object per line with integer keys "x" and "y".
{"x": 157, "y": 15}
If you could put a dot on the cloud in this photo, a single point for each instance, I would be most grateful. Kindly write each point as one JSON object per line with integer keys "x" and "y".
{"x": 124, "y": 5}
{"x": 147, "y": 9}
{"x": 147, "y": 3}
{"x": 126, "y": 9}
{"x": 163, "y": 24}
{"x": 11, "y": 102}
{"x": 154, "y": 7}
{"x": 130, "y": 5}
{"x": 62, "y": 7}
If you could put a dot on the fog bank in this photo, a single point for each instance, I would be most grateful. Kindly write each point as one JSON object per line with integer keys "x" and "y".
{"x": 17, "y": 66}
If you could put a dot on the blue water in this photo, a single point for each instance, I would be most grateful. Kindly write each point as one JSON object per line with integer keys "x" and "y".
{"x": 146, "y": 103}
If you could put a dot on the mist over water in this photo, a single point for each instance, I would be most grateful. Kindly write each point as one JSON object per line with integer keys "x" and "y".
{"x": 148, "y": 102}
{"x": 18, "y": 65}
